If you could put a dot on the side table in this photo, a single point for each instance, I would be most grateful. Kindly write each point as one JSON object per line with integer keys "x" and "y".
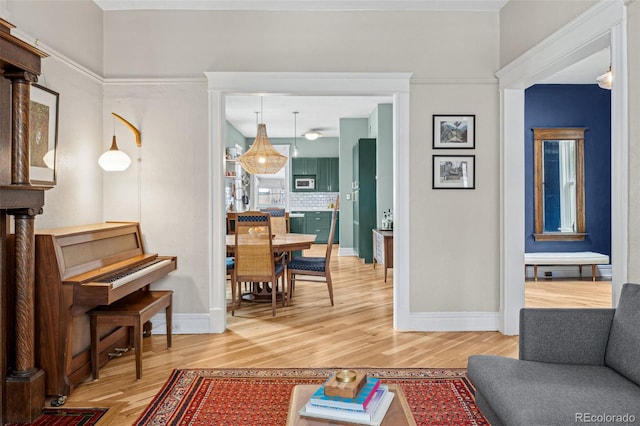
{"x": 383, "y": 249}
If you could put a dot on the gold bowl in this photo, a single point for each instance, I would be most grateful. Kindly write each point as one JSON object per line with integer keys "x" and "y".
{"x": 346, "y": 376}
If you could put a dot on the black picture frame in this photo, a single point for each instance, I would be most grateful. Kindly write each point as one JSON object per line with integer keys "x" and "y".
{"x": 43, "y": 135}
{"x": 454, "y": 172}
{"x": 454, "y": 131}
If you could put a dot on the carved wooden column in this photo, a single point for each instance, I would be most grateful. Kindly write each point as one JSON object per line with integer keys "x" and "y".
{"x": 25, "y": 382}
{"x": 20, "y": 94}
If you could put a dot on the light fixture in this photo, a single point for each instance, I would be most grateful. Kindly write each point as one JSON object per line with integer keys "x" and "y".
{"x": 312, "y": 135}
{"x": 115, "y": 160}
{"x": 262, "y": 157}
{"x": 605, "y": 80}
{"x": 295, "y": 132}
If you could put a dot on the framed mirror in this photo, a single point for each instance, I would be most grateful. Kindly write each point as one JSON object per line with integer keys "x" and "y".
{"x": 559, "y": 184}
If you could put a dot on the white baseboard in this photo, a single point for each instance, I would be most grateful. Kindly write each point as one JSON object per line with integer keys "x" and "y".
{"x": 346, "y": 251}
{"x": 184, "y": 324}
{"x": 569, "y": 271}
{"x": 454, "y": 321}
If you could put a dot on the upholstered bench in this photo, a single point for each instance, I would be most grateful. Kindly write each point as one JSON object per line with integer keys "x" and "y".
{"x": 131, "y": 311}
{"x": 562, "y": 258}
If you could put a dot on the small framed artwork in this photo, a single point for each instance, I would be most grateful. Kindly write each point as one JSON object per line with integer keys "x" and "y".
{"x": 454, "y": 131}
{"x": 454, "y": 172}
{"x": 43, "y": 135}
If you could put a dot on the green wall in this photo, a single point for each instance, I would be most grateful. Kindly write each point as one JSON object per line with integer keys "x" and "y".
{"x": 234, "y": 137}
{"x": 351, "y": 129}
{"x": 381, "y": 128}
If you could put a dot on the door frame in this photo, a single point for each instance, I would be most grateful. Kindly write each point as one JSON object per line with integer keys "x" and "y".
{"x": 222, "y": 84}
{"x": 599, "y": 27}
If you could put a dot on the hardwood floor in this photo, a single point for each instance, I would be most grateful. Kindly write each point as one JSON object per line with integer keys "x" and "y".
{"x": 356, "y": 332}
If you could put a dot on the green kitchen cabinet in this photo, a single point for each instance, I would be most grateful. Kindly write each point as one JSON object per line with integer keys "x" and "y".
{"x": 328, "y": 176}
{"x": 319, "y": 223}
{"x": 304, "y": 166}
{"x": 364, "y": 197}
{"x": 297, "y": 225}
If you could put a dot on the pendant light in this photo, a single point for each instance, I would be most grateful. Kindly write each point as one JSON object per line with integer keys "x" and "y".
{"x": 605, "y": 81}
{"x": 295, "y": 145}
{"x": 262, "y": 157}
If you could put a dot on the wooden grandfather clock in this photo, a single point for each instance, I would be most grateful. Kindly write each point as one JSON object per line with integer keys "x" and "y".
{"x": 22, "y": 382}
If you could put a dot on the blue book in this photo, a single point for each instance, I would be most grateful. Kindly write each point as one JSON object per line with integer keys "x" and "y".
{"x": 359, "y": 403}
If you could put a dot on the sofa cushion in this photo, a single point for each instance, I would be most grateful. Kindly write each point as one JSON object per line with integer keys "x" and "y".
{"x": 623, "y": 348}
{"x": 539, "y": 393}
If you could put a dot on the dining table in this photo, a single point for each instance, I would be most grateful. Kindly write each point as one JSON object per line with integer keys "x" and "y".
{"x": 280, "y": 243}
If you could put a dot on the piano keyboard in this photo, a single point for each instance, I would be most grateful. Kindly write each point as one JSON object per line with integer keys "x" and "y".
{"x": 131, "y": 274}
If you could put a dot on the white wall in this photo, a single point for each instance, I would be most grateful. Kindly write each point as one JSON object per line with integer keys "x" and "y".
{"x": 524, "y": 23}
{"x": 633, "y": 68}
{"x": 77, "y": 197}
{"x": 167, "y": 189}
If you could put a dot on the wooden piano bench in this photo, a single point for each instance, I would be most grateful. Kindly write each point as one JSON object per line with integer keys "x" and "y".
{"x": 131, "y": 311}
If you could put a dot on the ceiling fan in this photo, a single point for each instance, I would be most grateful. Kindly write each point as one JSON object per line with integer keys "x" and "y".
{"x": 315, "y": 133}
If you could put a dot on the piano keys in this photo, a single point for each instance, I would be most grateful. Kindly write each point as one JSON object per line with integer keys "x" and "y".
{"x": 77, "y": 269}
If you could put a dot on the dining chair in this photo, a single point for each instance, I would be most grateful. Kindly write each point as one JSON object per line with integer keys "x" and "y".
{"x": 254, "y": 260}
{"x": 302, "y": 268}
{"x": 279, "y": 220}
{"x": 232, "y": 280}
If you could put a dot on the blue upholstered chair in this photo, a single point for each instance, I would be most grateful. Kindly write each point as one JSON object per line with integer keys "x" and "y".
{"x": 231, "y": 277}
{"x": 254, "y": 260}
{"x": 302, "y": 268}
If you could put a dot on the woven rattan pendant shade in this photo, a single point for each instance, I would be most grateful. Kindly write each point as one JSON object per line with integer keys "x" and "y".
{"x": 262, "y": 157}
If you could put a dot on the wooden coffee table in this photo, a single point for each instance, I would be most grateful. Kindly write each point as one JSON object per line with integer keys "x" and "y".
{"x": 398, "y": 414}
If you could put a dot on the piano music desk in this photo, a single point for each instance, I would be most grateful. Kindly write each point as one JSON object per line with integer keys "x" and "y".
{"x": 131, "y": 311}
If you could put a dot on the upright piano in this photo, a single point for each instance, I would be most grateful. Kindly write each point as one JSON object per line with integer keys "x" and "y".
{"x": 77, "y": 269}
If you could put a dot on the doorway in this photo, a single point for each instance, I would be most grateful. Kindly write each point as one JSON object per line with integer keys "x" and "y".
{"x": 396, "y": 85}
{"x": 597, "y": 28}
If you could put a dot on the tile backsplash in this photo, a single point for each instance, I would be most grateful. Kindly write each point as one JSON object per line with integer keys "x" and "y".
{"x": 311, "y": 200}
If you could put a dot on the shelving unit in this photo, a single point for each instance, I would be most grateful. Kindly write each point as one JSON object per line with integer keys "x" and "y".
{"x": 236, "y": 181}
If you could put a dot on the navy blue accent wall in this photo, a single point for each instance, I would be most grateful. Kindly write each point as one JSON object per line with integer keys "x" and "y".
{"x": 573, "y": 105}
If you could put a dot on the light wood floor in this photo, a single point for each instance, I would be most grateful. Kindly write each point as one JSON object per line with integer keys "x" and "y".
{"x": 356, "y": 332}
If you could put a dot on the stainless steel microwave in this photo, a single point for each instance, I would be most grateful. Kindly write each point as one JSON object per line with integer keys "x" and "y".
{"x": 305, "y": 182}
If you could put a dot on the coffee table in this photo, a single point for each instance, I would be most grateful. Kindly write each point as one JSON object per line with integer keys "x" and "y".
{"x": 398, "y": 414}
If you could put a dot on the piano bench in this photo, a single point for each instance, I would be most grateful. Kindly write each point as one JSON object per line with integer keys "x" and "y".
{"x": 131, "y": 311}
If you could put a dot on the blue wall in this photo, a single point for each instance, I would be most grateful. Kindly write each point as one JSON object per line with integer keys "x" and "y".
{"x": 560, "y": 105}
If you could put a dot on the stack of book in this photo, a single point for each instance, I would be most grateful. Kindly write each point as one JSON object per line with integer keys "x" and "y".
{"x": 367, "y": 407}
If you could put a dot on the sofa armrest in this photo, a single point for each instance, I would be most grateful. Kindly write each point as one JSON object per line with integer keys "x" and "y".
{"x": 565, "y": 336}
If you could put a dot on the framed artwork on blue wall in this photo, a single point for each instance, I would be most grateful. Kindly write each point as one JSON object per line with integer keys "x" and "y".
{"x": 454, "y": 131}
{"x": 454, "y": 172}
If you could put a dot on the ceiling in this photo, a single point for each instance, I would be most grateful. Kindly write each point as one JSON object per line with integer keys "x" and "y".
{"x": 469, "y": 5}
{"x": 320, "y": 113}
{"x": 325, "y": 112}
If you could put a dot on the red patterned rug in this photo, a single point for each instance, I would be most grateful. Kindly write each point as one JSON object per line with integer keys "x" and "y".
{"x": 261, "y": 396}
{"x": 69, "y": 417}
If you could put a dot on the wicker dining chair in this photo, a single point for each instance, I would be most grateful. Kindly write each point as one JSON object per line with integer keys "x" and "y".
{"x": 303, "y": 268}
{"x": 254, "y": 260}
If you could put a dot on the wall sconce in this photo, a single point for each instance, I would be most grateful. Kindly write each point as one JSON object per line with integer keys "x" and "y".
{"x": 115, "y": 160}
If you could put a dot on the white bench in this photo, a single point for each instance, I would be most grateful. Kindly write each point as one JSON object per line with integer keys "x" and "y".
{"x": 577, "y": 258}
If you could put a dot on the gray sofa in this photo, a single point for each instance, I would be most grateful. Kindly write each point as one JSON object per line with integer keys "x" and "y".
{"x": 575, "y": 366}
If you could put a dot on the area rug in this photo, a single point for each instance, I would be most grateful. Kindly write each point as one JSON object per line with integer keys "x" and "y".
{"x": 261, "y": 396}
{"x": 69, "y": 417}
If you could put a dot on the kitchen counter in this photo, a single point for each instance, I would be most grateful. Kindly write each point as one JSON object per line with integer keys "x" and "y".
{"x": 306, "y": 209}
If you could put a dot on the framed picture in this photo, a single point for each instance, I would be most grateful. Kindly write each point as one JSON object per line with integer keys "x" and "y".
{"x": 454, "y": 131}
{"x": 454, "y": 172}
{"x": 43, "y": 135}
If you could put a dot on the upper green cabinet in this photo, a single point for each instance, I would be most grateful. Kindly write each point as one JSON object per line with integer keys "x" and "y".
{"x": 325, "y": 170}
{"x": 304, "y": 166}
{"x": 328, "y": 177}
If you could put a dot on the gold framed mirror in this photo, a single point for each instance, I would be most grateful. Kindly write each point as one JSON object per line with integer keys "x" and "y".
{"x": 559, "y": 184}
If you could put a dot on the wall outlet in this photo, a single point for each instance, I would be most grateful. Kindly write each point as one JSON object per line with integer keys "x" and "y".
{"x": 348, "y": 196}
